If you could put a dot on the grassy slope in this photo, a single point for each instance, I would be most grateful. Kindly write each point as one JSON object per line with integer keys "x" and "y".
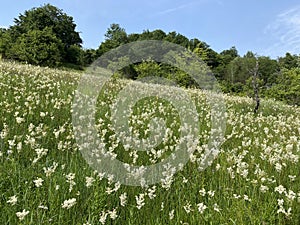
{"x": 259, "y": 154}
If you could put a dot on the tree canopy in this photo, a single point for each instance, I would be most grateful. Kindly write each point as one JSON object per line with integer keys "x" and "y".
{"x": 45, "y": 29}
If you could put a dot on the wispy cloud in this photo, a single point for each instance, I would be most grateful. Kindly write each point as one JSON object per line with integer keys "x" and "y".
{"x": 170, "y": 10}
{"x": 286, "y": 31}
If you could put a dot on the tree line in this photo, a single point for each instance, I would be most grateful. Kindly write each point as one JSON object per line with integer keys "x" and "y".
{"x": 47, "y": 36}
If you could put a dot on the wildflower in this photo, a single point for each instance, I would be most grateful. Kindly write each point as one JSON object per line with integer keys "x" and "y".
{"x": 140, "y": 200}
{"x": 184, "y": 180}
{"x": 42, "y": 207}
{"x": 263, "y": 188}
{"x": 12, "y": 200}
{"x": 38, "y": 182}
{"x": 70, "y": 179}
{"x": 292, "y": 178}
{"x": 201, "y": 207}
{"x": 113, "y": 214}
{"x": 48, "y": 171}
{"x": 216, "y": 207}
{"x": 202, "y": 192}
{"x": 123, "y": 199}
{"x": 171, "y": 214}
{"x": 188, "y": 208}
{"x": 89, "y": 181}
{"x": 246, "y": 198}
{"x": 280, "y": 189}
{"x": 151, "y": 192}
{"x": 291, "y": 195}
{"x": 211, "y": 193}
{"x": 21, "y": 215}
{"x": 69, "y": 203}
{"x": 280, "y": 202}
{"x": 103, "y": 216}
{"x": 19, "y": 120}
{"x": 236, "y": 196}
{"x": 162, "y": 206}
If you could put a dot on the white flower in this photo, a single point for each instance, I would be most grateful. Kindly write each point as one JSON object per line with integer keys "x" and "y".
{"x": 188, "y": 208}
{"x": 70, "y": 179}
{"x": 263, "y": 188}
{"x": 12, "y": 200}
{"x": 280, "y": 202}
{"x": 103, "y": 216}
{"x": 291, "y": 195}
{"x": 171, "y": 214}
{"x": 89, "y": 181}
{"x": 48, "y": 171}
{"x": 22, "y": 214}
{"x": 140, "y": 200}
{"x": 69, "y": 203}
{"x": 20, "y": 120}
{"x": 202, "y": 192}
{"x": 280, "y": 189}
{"x": 113, "y": 214}
{"x": 184, "y": 180}
{"x": 211, "y": 193}
{"x": 246, "y": 198}
{"x": 216, "y": 207}
{"x": 42, "y": 114}
{"x": 38, "y": 182}
{"x": 236, "y": 196}
{"x": 151, "y": 192}
{"x": 201, "y": 207}
{"x": 42, "y": 207}
{"x": 123, "y": 199}
{"x": 292, "y": 177}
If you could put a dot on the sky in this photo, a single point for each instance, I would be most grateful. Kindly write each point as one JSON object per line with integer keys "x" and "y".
{"x": 266, "y": 27}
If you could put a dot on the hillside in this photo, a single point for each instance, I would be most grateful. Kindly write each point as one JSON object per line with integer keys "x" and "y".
{"x": 45, "y": 178}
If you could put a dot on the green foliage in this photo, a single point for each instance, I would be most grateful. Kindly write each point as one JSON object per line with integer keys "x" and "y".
{"x": 5, "y": 42}
{"x": 114, "y": 37}
{"x": 50, "y": 16}
{"x": 289, "y": 61}
{"x": 287, "y": 87}
{"x": 38, "y": 48}
{"x": 51, "y": 35}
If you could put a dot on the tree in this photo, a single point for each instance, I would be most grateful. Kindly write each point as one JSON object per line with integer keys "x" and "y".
{"x": 287, "y": 88}
{"x": 289, "y": 61}
{"x": 114, "y": 37}
{"x": 38, "y": 48}
{"x": 225, "y": 58}
{"x": 5, "y": 42}
{"x": 177, "y": 39}
{"x": 43, "y": 21}
{"x": 268, "y": 68}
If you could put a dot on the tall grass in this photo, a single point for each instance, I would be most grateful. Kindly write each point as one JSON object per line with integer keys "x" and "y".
{"x": 45, "y": 180}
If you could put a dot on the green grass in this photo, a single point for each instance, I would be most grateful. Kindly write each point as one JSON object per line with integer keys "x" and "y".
{"x": 259, "y": 152}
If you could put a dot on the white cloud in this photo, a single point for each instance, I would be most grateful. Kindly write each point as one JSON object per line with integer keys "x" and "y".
{"x": 174, "y": 9}
{"x": 285, "y": 31}
{"x": 183, "y": 6}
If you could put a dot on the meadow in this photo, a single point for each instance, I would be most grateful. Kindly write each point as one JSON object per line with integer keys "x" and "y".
{"x": 44, "y": 179}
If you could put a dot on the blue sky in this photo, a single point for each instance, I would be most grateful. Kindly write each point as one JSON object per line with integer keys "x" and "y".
{"x": 267, "y": 27}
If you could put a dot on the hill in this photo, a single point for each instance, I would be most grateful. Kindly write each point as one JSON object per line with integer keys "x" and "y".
{"x": 45, "y": 177}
